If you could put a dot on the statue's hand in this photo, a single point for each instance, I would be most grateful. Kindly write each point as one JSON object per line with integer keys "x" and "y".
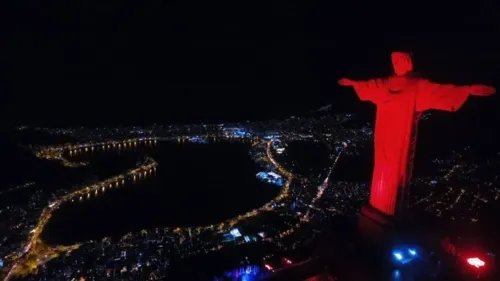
{"x": 345, "y": 82}
{"x": 482, "y": 90}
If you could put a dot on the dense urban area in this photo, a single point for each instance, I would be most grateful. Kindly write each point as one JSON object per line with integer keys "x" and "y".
{"x": 307, "y": 198}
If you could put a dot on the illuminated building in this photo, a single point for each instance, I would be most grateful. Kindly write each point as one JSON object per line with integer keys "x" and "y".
{"x": 271, "y": 177}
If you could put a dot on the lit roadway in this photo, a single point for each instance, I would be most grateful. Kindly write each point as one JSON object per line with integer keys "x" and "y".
{"x": 305, "y": 218}
{"x": 36, "y": 252}
{"x": 323, "y": 186}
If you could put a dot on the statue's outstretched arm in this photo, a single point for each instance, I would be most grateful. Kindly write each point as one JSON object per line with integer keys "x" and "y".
{"x": 447, "y": 96}
{"x": 369, "y": 90}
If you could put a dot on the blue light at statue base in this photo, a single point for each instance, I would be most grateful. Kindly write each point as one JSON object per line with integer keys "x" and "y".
{"x": 244, "y": 273}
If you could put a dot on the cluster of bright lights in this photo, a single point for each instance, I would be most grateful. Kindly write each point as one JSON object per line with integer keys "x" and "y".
{"x": 268, "y": 267}
{"x": 408, "y": 255}
{"x": 244, "y": 273}
{"x": 56, "y": 152}
{"x": 476, "y": 262}
{"x": 285, "y": 262}
{"x": 405, "y": 256}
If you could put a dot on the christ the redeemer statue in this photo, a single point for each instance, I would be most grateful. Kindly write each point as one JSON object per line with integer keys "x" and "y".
{"x": 400, "y": 100}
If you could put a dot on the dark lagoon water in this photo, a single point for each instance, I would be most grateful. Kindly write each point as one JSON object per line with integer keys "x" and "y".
{"x": 195, "y": 184}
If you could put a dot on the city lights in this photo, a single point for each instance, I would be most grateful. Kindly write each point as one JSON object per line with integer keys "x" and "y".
{"x": 288, "y": 221}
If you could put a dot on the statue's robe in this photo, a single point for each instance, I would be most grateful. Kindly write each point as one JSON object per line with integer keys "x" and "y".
{"x": 400, "y": 100}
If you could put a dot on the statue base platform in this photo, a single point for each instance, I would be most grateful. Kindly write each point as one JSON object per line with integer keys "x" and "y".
{"x": 375, "y": 228}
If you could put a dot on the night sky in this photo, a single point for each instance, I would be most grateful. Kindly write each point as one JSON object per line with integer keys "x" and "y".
{"x": 86, "y": 62}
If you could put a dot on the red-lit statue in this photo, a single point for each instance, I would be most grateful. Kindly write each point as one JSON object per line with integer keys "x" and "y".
{"x": 400, "y": 100}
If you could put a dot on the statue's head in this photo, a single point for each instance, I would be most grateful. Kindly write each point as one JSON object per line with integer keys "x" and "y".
{"x": 401, "y": 62}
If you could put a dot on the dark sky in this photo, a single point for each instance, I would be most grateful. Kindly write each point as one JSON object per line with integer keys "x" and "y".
{"x": 102, "y": 62}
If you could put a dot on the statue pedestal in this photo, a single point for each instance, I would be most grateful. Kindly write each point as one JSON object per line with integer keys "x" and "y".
{"x": 375, "y": 228}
